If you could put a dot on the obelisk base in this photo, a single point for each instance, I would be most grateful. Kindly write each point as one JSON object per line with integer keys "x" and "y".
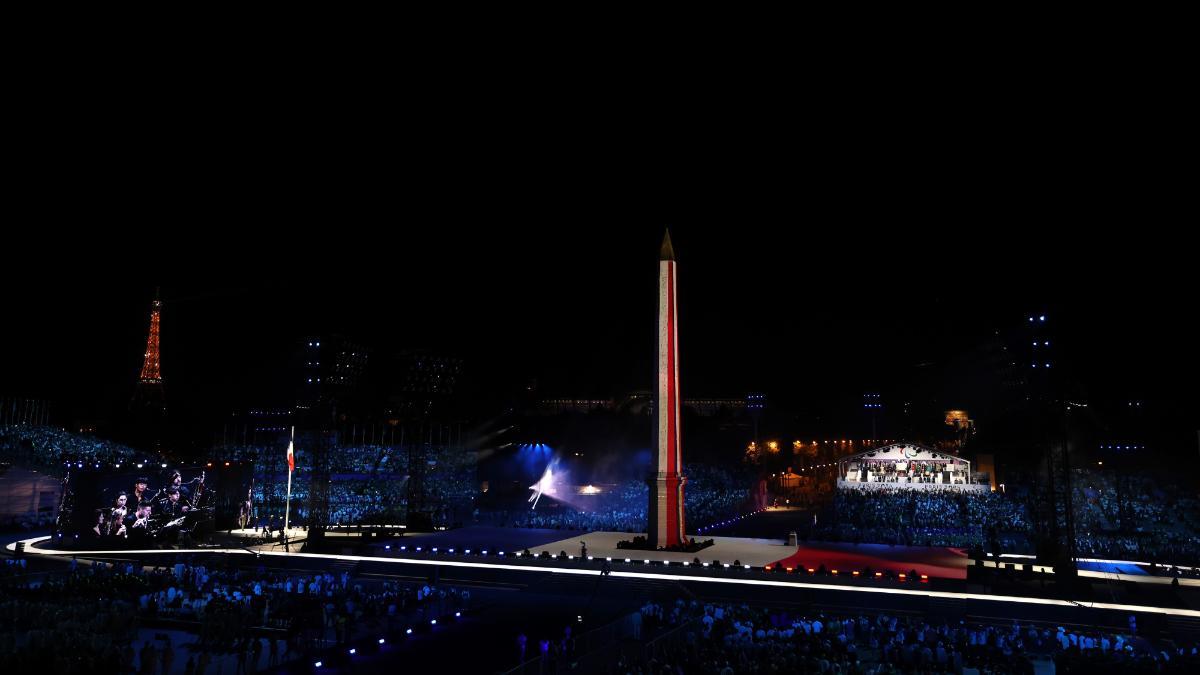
{"x": 664, "y": 521}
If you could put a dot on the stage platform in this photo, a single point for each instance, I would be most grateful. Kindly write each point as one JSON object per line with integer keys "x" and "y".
{"x": 755, "y": 552}
{"x": 937, "y": 562}
{"x": 294, "y": 534}
{"x": 481, "y": 538}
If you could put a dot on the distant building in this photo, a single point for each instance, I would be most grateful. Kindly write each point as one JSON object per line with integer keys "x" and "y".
{"x": 959, "y": 420}
{"x": 639, "y": 403}
{"x": 421, "y": 384}
{"x": 711, "y": 407}
{"x": 329, "y": 366}
{"x": 577, "y": 405}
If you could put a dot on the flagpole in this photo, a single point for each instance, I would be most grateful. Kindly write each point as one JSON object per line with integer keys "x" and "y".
{"x": 287, "y": 509}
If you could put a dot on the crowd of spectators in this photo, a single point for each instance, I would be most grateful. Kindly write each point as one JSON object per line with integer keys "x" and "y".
{"x": 936, "y": 517}
{"x": 720, "y": 639}
{"x": 1129, "y": 516}
{"x": 49, "y": 449}
{"x": 368, "y": 483}
{"x": 1121, "y": 516}
{"x": 85, "y": 620}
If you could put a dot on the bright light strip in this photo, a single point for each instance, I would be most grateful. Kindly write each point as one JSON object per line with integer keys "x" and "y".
{"x": 767, "y": 583}
{"x": 1093, "y": 560}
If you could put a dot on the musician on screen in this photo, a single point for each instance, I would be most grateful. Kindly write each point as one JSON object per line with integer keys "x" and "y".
{"x": 116, "y": 518}
{"x": 139, "y": 491}
{"x": 140, "y": 519}
{"x": 247, "y": 510}
{"x": 138, "y": 525}
{"x": 101, "y": 526}
{"x": 174, "y": 506}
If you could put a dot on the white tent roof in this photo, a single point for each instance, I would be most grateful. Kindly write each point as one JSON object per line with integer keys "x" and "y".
{"x": 903, "y": 452}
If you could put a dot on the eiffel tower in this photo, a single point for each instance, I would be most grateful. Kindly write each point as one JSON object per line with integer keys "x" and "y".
{"x": 149, "y": 404}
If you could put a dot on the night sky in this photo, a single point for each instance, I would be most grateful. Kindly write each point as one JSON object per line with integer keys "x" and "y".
{"x": 812, "y": 310}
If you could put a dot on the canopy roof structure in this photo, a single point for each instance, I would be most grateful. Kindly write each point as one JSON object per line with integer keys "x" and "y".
{"x": 905, "y": 464}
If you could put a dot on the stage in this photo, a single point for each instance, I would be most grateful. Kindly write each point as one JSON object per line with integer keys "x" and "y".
{"x": 754, "y": 552}
{"x": 937, "y": 562}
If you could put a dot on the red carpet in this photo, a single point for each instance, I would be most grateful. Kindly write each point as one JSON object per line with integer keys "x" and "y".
{"x": 944, "y": 563}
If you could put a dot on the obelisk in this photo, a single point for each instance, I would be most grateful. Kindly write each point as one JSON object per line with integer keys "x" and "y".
{"x": 665, "y": 521}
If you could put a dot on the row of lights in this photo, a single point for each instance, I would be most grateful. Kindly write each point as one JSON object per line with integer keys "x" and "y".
{"x": 451, "y": 551}
{"x": 855, "y": 574}
{"x": 353, "y": 651}
{"x": 118, "y": 465}
{"x": 731, "y": 520}
{"x": 140, "y": 465}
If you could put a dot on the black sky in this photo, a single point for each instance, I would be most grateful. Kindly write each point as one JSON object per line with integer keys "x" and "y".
{"x": 812, "y": 310}
{"x": 816, "y": 263}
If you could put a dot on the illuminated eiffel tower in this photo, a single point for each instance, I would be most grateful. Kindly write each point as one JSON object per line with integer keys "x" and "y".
{"x": 149, "y": 404}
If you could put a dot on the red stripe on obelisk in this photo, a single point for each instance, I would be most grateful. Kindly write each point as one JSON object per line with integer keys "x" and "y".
{"x": 672, "y": 468}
